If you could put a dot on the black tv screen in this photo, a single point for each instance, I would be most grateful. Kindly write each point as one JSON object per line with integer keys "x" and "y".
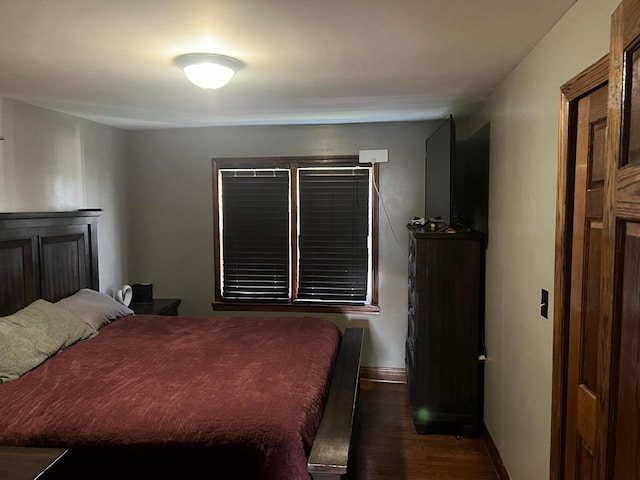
{"x": 457, "y": 177}
{"x": 440, "y": 174}
{"x": 472, "y": 181}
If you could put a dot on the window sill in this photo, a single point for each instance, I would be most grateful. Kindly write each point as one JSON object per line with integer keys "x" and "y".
{"x": 297, "y": 307}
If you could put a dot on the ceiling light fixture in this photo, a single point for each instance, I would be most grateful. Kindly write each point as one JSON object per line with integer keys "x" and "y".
{"x": 208, "y": 70}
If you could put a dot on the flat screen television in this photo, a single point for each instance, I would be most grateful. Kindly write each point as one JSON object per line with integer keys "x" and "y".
{"x": 439, "y": 194}
{"x": 457, "y": 177}
{"x": 472, "y": 181}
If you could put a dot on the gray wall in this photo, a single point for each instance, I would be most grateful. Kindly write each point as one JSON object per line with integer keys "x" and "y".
{"x": 523, "y": 111}
{"x": 171, "y": 210}
{"x": 51, "y": 161}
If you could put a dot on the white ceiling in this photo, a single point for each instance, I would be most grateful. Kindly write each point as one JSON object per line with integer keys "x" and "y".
{"x": 306, "y": 61}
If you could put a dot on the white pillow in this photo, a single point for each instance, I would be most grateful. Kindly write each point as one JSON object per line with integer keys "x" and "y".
{"x": 95, "y": 308}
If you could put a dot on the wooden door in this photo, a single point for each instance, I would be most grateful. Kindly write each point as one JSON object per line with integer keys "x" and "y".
{"x": 581, "y": 164}
{"x": 618, "y": 408}
{"x": 584, "y": 309}
{"x": 612, "y": 451}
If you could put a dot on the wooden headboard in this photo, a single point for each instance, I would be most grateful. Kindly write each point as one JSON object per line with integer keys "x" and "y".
{"x": 47, "y": 255}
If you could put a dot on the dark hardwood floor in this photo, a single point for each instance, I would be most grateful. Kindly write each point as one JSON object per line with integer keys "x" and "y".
{"x": 391, "y": 449}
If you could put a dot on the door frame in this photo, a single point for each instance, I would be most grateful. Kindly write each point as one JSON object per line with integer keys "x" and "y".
{"x": 570, "y": 93}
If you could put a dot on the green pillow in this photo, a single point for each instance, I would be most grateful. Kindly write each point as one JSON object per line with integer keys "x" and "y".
{"x": 35, "y": 333}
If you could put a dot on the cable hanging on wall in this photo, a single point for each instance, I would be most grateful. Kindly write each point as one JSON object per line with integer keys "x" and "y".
{"x": 386, "y": 214}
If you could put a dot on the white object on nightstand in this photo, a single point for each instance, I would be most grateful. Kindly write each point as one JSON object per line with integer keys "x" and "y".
{"x": 124, "y": 295}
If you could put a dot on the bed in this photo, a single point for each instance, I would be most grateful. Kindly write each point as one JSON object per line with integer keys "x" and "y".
{"x": 257, "y": 397}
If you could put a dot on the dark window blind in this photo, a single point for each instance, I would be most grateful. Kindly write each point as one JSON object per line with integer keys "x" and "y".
{"x": 255, "y": 238}
{"x": 333, "y": 234}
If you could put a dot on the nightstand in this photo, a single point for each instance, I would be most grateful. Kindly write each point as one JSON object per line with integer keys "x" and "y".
{"x": 26, "y": 463}
{"x": 159, "y": 306}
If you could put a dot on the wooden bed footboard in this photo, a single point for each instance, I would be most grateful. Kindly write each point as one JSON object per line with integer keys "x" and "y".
{"x": 333, "y": 449}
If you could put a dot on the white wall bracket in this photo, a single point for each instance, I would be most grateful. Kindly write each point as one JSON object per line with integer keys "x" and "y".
{"x": 373, "y": 156}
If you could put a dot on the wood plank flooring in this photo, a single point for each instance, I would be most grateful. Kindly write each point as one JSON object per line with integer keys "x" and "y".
{"x": 390, "y": 448}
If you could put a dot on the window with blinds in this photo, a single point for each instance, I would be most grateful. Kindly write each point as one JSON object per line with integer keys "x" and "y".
{"x": 298, "y": 231}
{"x": 255, "y": 240}
{"x": 334, "y": 234}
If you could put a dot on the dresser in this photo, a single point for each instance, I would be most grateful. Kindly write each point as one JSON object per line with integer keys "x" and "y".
{"x": 443, "y": 345}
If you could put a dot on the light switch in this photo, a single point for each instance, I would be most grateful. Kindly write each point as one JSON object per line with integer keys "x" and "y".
{"x": 544, "y": 303}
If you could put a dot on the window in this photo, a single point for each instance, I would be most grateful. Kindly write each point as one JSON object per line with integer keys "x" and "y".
{"x": 299, "y": 233}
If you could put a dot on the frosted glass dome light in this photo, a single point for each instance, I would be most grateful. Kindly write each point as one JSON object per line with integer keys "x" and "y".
{"x": 208, "y": 70}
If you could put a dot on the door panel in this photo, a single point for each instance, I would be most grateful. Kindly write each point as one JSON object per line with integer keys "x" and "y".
{"x": 591, "y": 315}
{"x": 633, "y": 156}
{"x": 598, "y": 145}
{"x": 627, "y": 446}
{"x": 586, "y": 417}
{"x": 618, "y": 414}
{"x": 582, "y": 372}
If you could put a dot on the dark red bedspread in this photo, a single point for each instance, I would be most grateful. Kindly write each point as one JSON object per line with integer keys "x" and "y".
{"x": 245, "y": 384}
